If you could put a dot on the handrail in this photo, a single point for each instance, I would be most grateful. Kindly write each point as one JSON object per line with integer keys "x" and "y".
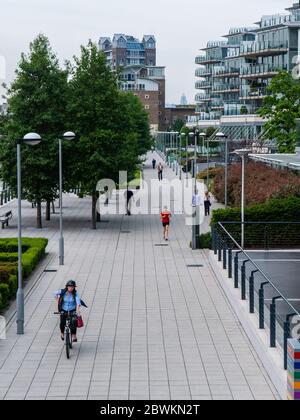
{"x": 257, "y": 267}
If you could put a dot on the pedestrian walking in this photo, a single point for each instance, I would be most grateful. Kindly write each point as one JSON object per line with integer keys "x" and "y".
{"x": 165, "y": 216}
{"x": 207, "y": 203}
{"x": 128, "y": 194}
{"x": 160, "y": 171}
{"x": 153, "y": 163}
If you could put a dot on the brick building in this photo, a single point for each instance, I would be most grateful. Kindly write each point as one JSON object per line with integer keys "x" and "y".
{"x": 140, "y": 74}
{"x": 178, "y": 112}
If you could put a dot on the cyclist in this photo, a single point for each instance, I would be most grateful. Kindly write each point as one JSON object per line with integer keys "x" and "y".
{"x": 68, "y": 302}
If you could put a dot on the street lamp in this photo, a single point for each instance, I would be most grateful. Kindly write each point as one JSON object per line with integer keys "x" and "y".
{"x": 242, "y": 153}
{"x": 31, "y": 139}
{"x": 176, "y": 137}
{"x": 69, "y": 135}
{"x": 195, "y": 226}
{"x": 204, "y": 137}
{"x": 222, "y": 136}
{"x": 180, "y": 152}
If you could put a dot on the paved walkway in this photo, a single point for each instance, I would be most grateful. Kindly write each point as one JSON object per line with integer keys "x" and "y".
{"x": 155, "y": 328}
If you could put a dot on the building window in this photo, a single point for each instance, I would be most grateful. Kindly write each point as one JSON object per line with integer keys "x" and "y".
{"x": 147, "y": 107}
{"x": 147, "y": 96}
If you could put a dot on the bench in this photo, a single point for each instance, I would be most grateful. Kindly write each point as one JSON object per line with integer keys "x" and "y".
{"x": 4, "y": 218}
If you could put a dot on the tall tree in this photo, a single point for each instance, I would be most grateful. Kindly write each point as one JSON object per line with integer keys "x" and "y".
{"x": 281, "y": 108}
{"x": 37, "y": 101}
{"x": 109, "y": 135}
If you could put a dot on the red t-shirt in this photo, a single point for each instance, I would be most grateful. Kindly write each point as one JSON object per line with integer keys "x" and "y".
{"x": 165, "y": 216}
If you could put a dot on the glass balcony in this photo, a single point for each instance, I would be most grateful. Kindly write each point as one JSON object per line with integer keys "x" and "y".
{"x": 202, "y": 97}
{"x": 217, "y": 104}
{"x": 226, "y": 87}
{"x": 200, "y": 59}
{"x": 259, "y": 71}
{"x": 200, "y": 72}
{"x": 279, "y": 19}
{"x": 261, "y": 49}
{"x": 227, "y": 72}
{"x": 254, "y": 93}
{"x": 202, "y": 84}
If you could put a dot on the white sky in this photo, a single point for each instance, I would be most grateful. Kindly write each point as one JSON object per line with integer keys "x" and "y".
{"x": 181, "y": 27}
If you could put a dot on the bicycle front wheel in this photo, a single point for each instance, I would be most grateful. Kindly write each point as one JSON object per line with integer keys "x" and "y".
{"x": 67, "y": 339}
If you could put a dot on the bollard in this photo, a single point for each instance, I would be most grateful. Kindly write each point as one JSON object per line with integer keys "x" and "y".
{"x": 273, "y": 322}
{"x": 261, "y": 295}
{"x": 230, "y": 263}
{"x": 251, "y": 292}
{"x": 219, "y": 249}
{"x": 224, "y": 256}
{"x": 243, "y": 280}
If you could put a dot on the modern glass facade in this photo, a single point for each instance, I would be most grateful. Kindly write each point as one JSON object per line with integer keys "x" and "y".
{"x": 234, "y": 74}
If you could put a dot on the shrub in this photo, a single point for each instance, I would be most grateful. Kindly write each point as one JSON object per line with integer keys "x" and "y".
{"x": 213, "y": 172}
{"x": 205, "y": 241}
{"x": 262, "y": 183}
{"x": 4, "y": 293}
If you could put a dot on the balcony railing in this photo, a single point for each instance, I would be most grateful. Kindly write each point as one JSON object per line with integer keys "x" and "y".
{"x": 259, "y": 71}
{"x": 253, "y": 93}
{"x": 266, "y": 48}
{"x": 226, "y": 87}
{"x": 202, "y": 84}
{"x": 202, "y": 72}
{"x": 200, "y": 59}
{"x": 201, "y": 97}
{"x": 227, "y": 72}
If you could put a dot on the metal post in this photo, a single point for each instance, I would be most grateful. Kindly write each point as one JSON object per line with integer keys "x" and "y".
{"x": 243, "y": 203}
{"x": 236, "y": 269}
{"x": 207, "y": 174}
{"x": 20, "y": 292}
{"x": 226, "y": 172}
{"x": 261, "y": 296}
{"x": 186, "y": 159}
{"x": 176, "y": 137}
{"x": 229, "y": 263}
{"x": 224, "y": 255}
{"x": 180, "y": 159}
{"x": 243, "y": 280}
{"x": 215, "y": 242}
{"x": 286, "y": 336}
{"x": 251, "y": 292}
{"x": 219, "y": 249}
{"x": 61, "y": 239}
{"x": 273, "y": 322}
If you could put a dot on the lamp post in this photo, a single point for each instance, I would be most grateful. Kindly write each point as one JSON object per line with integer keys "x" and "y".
{"x": 176, "y": 137}
{"x": 242, "y": 153}
{"x": 180, "y": 152}
{"x": 195, "y": 226}
{"x": 204, "y": 137}
{"x": 69, "y": 135}
{"x": 222, "y": 136}
{"x": 31, "y": 139}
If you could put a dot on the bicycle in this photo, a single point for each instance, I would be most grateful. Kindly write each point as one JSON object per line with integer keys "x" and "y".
{"x": 67, "y": 332}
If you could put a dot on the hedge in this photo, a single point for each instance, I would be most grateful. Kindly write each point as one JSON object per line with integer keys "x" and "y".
{"x": 33, "y": 249}
{"x": 263, "y": 234}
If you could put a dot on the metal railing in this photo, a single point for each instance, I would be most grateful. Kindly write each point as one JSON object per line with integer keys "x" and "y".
{"x": 274, "y": 310}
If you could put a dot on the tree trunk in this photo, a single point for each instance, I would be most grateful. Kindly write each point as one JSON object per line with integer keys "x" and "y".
{"x": 98, "y": 214}
{"x": 48, "y": 210}
{"x": 39, "y": 214}
{"x": 53, "y": 207}
{"x": 94, "y": 217}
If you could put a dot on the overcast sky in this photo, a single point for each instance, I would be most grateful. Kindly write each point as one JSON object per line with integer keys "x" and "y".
{"x": 181, "y": 27}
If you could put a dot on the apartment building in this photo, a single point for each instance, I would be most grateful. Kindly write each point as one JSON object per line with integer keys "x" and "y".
{"x": 139, "y": 72}
{"x": 233, "y": 75}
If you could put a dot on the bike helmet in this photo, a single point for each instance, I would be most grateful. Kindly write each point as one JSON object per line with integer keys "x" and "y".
{"x": 71, "y": 283}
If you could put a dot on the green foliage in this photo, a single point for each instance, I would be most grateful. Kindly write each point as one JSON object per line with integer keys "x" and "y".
{"x": 33, "y": 249}
{"x": 37, "y": 102}
{"x": 282, "y": 107}
{"x": 205, "y": 241}
{"x": 276, "y": 210}
{"x": 213, "y": 172}
{"x": 177, "y": 125}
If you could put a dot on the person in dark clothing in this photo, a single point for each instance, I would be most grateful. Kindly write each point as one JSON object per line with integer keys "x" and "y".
{"x": 128, "y": 197}
{"x": 160, "y": 171}
{"x": 153, "y": 163}
{"x": 207, "y": 203}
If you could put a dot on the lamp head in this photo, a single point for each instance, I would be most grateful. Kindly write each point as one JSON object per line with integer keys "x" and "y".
{"x": 32, "y": 139}
{"x": 69, "y": 135}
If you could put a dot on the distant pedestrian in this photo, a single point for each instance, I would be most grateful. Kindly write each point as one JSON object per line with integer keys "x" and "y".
{"x": 128, "y": 194}
{"x": 160, "y": 171}
{"x": 153, "y": 163}
{"x": 207, "y": 203}
{"x": 165, "y": 216}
